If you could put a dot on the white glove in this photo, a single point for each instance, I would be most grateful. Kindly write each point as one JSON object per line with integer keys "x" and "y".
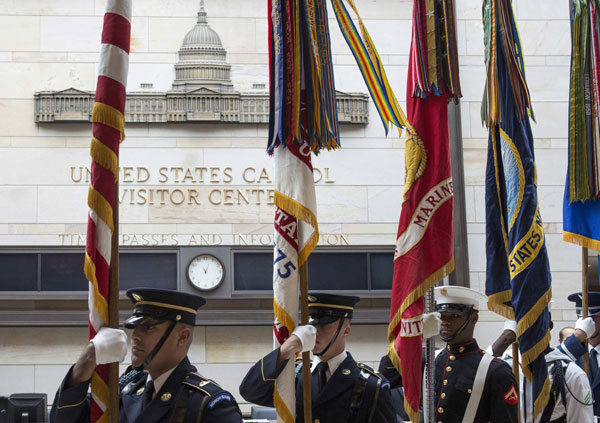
{"x": 431, "y": 324}
{"x": 307, "y": 335}
{"x": 510, "y": 325}
{"x": 110, "y": 345}
{"x": 587, "y": 325}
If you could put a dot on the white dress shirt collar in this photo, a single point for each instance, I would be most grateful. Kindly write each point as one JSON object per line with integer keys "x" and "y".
{"x": 333, "y": 363}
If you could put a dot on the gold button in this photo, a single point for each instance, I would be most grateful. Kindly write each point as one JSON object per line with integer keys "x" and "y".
{"x": 469, "y": 391}
{"x": 443, "y": 395}
{"x": 317, "y": 421}
{"x": 461, "y": 349}
{"x": 448, "y": 369}
{"x": 440, "y": 410}
{"x": 445, "y": 381}
{"x": 452, "y": 357}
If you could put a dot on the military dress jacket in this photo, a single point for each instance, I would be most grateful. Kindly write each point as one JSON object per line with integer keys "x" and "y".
{"x": 331, "y": 405}
{"x": 455, "y": 369}
{"x": 576, "y": 350}
{"x": 206, "y": 402}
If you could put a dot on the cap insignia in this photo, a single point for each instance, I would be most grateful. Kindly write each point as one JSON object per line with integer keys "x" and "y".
{"x": 136, "y": 297}
{"x": 443, "y": 291}
{"x": 346, "y": 372}
{"x": 165, "y": 397}
{"x": 311, "y": 298}
{"x": 178, "y": 317}
{"x": 140, "y": 391}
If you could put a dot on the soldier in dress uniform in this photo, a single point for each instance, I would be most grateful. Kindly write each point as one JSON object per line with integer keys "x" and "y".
{"x": 459, "y": 395}
{"x": 574, "y": 346}
{"x": 161, "y": 385}
{"x": 343, "y": 390}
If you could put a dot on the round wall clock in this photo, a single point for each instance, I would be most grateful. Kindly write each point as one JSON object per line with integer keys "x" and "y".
{"x": 205, "y": 272}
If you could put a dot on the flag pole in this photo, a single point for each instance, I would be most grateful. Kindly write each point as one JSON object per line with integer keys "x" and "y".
{"x": 428, "y": 393}
{"x": 305, "y": 355}
{"x": 113, "y": 312}
{"x": 515, "y": 368}
{"x": 584, "y": 302}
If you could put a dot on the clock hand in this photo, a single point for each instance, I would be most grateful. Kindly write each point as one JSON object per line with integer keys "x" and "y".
{"x": 205, "y": 269}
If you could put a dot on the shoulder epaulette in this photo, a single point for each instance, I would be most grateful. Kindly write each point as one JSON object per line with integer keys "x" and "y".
{"x": 200, "y": 383}
{"x": 370, "y": 370}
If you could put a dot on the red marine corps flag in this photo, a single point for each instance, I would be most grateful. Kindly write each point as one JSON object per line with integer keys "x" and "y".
{"x": 424, "y": 246}
{"x": 108, "y": 125}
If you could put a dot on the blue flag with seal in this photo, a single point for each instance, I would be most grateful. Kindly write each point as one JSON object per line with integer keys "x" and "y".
{"x": 581, "y": 206}
{"x": 518, "y": 272}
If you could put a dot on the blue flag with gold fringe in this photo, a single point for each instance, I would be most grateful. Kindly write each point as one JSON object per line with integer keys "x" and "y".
{"x": 518, "y": 272}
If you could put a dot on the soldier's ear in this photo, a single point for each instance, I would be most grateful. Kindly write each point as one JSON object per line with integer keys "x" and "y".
{"x": 184, "y": 335}
{"x": 475, "y": 317}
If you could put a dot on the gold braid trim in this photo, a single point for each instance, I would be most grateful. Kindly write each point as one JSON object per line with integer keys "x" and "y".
{"x": 105, "y": 157}
{"x": 303, "y": 213}
{"x": 592, "y": 244}
{"x": 496, "y": 303}
{"x": 101, "y": 206}
{"x": 109, "y": 116}
{"x": 530, "y": 355}
{"x": 417, "y": 293}
{"x": 282, "y": 411}
{"x": 413, "y": 414}
{"x": 100, "y": 304}
{"x": 283, "y": 316}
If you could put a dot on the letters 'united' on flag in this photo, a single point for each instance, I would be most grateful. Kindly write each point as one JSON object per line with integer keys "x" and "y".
{"x": 518, "y": 273}
{"x": 303, "y": 118}
{"x": 108, "y": 125}
{"x": 425, "y": 244}
{"x": 581, "y": 207}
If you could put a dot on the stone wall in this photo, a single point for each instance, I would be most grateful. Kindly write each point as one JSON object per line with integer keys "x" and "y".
{"x": 54, "y": 46}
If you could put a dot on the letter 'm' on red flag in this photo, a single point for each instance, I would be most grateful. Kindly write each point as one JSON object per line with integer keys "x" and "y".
{"x": 108, "y": 123}
{"x": 425, "y": 243}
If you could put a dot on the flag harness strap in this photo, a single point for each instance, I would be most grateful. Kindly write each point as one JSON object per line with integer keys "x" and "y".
{"x": 477, "y": 389}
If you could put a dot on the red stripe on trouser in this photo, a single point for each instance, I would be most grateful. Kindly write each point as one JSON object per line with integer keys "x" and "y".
{"x": 117, "y": 31}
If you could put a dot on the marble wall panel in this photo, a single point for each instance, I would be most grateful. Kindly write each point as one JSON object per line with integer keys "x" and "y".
{"x": 550, "y": 200}
{"x": 384, "y": 203}
{"x": 211, "y": 130}
{"x": 551, "y": 120}
{"x": 75, "y": 197}
{"x": 245, "y": 76}
{"x": 343, "y": 204}
{"x": 18, "y": 204}
{"x": 34, "y": 228}
{"x": 37, "y": 7}
{"x": 479, "y": 203}
{"x": 538, "y": 10}
{"x": 47, "y": 379}
{"x": 257, "y": 342}
{"x": 145, "y": 142}
{"x": 29, "y": 142}
{"x": 545, "y": 37}
{"x": 16, "y": 118}
{"x": 477, "y": 129}
{"x": 548, "y": 83}
{"x": 367, "y": 342}
{"x": 476, "y": 77}
{"x": 66, "y": 33}
{"x": 139, "y": 35}
{"x": 19, "y": 33}
{"x": 4, "y": 141}
{"x": 551, "y": 167}
{"x": 3, "y": 228}
{"x": 160, "y": 75}
{"x": 175, "y": 27}
{"x": 475, "y": 162}
{"x": 563, "y": 256}
{"x": 474, "y": 37}
{"x": 16, "y": 379}
{"x": 369, "y": 228}
{"x": 142, "y": 57}
{"x": 64, "y": 129}
{"x": 468, "y": 10}
{"x": 40, "y": 166}
{"x": 21, "y": 80}
{"x": 477, "y": 258}
{"x": 228, "y": 376}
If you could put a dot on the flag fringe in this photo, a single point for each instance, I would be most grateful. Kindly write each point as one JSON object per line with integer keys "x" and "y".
{"x": 497, "y": 303}
{"x": 293, "y": 207}
{"x": 283, "y": 411}
{"x": 283, "y": 316}
{"x": 100, "y": 304}
{"x": 417, "y": 293}
{"x": 105, "y": 157}
{"x": 540, "y": 403}
{"x": 583, "y": 241}
{"x": 109, "y": 116}
{"x": 413, "y": 415}
{"x": 101, "y": 206}
{"x": 534, "y": 313}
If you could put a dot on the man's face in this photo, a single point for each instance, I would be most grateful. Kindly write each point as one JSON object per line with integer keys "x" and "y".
{"x": 324, "y": 335}
{"x": 143, "y": 341}
{"x": 451, "y": 322}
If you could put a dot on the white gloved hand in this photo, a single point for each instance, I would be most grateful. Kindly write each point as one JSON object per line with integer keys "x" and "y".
{"x": 587, "y": 325}
{"x": 510, "y": 325}
{"x": 110, "y": 345}
{"x": 307, "y": 335}
{"x": 431, "y": 324}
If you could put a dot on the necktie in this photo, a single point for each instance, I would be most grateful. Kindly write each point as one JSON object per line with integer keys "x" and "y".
{"x": 148, "y": 392}
{"x": 593, "y": 364}
{"x": 321, "y": 374}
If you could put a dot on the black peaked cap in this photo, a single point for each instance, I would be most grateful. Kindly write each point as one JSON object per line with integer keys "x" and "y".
{"x": 153, "y": 306}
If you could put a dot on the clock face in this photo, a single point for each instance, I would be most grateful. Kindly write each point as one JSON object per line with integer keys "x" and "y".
{"x": 205, "y": 272}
